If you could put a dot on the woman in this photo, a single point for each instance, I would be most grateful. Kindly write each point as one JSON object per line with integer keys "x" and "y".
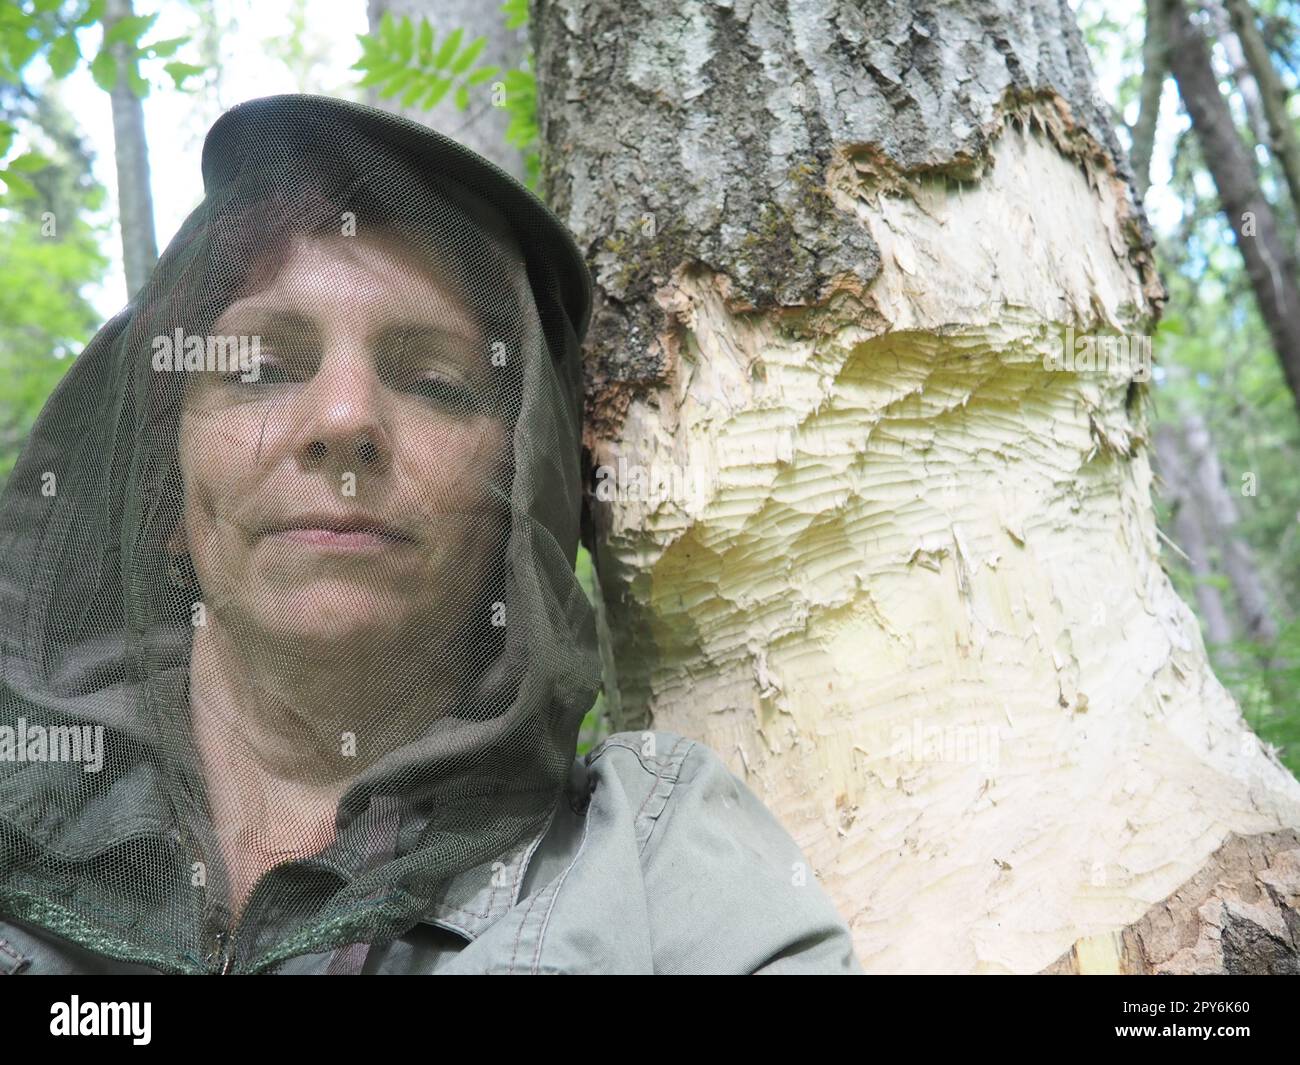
{"x": 291, "y": 548}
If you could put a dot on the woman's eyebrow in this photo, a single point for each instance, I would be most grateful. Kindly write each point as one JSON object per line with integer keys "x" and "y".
{"x": 428, "y": 331}
{"x": 269, "y": 317}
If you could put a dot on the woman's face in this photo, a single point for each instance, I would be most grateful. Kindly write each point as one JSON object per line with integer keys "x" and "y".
{"x": 344, "y": 493}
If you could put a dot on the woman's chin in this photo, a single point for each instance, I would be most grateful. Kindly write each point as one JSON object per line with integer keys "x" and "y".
{"x": 332, "y": 614}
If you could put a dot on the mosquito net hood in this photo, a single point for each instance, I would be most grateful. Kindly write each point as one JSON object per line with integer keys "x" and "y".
{"x": 290, "y": 629}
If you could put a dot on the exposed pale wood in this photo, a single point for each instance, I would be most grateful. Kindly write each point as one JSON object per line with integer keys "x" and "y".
{"x": 909, "y": 583}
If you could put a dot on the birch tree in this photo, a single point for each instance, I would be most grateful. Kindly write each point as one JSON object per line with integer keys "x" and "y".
{"x": 869, "y": 519}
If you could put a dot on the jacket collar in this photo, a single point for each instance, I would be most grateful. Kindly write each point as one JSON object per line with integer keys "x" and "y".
{"x": 475, "y": 899}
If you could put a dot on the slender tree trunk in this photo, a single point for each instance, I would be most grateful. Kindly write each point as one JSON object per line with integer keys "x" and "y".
{"x": 131, "y": 151}
{"x": 1242, "y": 76}
{"x": 1155, "y": 65}
{"x": 866, "y": 540}
{"x": 1220, "y": 512}
{"x": 1282, "y": 138}
{"x": 483, "y": 126}
{"x": 1174, "y": 463}
{"x": 1270, "y": 263}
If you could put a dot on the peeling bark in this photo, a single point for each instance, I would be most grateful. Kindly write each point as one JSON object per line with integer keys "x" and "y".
{"x": 1239, "y": 915}
{"x": 912, "y": 591}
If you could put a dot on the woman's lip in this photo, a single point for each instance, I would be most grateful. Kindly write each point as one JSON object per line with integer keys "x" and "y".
{"x": 339, "y": 539}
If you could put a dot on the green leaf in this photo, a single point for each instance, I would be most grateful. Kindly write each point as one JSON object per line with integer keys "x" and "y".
{"x": 29, "y": 161}
{"x": 7, "y": 131}
{"x": 426, "y": 42}
{"x": 406, "y": 40}
{"x": 448, "y": 48}
{"x": 519, "y": 81}
{"x": 139, "y": 84}
{"x": 387, "y": 29}
{"x": 129, "y": 29}
{"x": 21, "y": 51}
{"x": 413, "y": 93}
{"x": 480, "y": 75}
{"x": 379, "y": 74}
{"x": 370, "y": 51}
{"x": 516, "y": 13}
{"x": 439, "y": 90}
{"x": 162, "y": 49}
{"x": 180, "y": 71}
{"x": 103, "y": 69}
{"x": 462, "y": 98}
{"x": 63, "y": 56}
{"x": 400, "y": 81}
{"x": 469, "y": 55}
{"x": 94, "y": 13}
{"x": 18, "y": 187}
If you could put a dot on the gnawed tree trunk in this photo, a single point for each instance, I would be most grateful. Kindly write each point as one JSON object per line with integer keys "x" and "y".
{"x": 915, "y": 597}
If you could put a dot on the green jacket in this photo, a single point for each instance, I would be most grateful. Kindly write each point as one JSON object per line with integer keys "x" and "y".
{"x": 658, "y": 860}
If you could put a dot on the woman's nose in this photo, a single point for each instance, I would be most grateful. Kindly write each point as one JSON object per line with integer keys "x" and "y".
{"x": 344, "y": 425}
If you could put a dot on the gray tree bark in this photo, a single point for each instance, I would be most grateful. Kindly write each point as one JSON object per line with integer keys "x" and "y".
{"x": 856, "y": 526}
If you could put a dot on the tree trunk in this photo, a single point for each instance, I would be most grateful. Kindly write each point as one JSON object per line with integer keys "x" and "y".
{"x": 483, "y": 126}
{"x": 1221, "y": 518}
{"x": 1155, "y": 65}
{"x": 1270, "y": 264}
{"x": 1174, "y": 462}
{"x": 905, "y": 578}
{"x": 1282, "y": 139}
{"x": 1242, "y": 76}
{"x": 131, "y": 152}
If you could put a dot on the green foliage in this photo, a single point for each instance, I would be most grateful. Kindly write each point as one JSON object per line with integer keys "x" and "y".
{"x": 53, "y": 28}
{"x": 1265, "y": 679}
{"x": 595, "y": 727}
{"x": 404, "y": 58}
{"x": 401, "y": 58}
{"x": 48, "y": 257}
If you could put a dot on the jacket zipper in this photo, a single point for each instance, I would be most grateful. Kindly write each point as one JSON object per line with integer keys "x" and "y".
{"x": 225, "y": 952}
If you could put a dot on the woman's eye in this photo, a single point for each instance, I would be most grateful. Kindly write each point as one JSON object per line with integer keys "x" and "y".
{"x": 445, "y": 393}
{"x": 267, "y": 368}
